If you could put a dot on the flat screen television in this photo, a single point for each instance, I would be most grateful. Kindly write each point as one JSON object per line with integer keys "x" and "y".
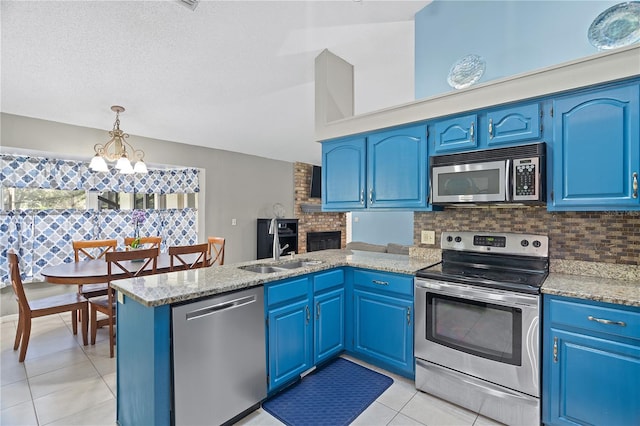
{"x": 316, "y": 183}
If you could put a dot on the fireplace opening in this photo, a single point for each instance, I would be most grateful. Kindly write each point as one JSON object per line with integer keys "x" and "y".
{"x": 323, "y": 240}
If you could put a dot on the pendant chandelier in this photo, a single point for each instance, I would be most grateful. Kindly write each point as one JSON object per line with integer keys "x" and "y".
{"x": 118, "y": 149}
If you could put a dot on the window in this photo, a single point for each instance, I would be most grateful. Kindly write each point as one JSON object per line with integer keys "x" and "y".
{"x": 47, "y": 203}
{"x": 39, "y": 199}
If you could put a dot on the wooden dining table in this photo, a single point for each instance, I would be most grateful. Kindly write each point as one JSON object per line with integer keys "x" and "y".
{"x": 95, "y": 271}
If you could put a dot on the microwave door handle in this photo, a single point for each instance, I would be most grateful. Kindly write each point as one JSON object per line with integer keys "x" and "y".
{"x": 507, "y": 181}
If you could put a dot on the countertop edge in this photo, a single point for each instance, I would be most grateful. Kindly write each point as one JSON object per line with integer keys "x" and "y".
{"x": 235, "y": 278}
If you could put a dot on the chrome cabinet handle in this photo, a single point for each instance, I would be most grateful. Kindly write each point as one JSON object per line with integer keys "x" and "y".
{"x": 471, "y": 131}
{"x": 635, "y": 184}
{"x": 380, "y": 282}
{"x": 318, "y": 310}
{"x": 606, "y": 321}
{"x": 491, "y": 128}
{"x": 362, "y": 197}
{"x": 555, "y": 349}
{"x": 371, "y": 196}
{"x": 308, "y": 314}
{"x": 408, "y": 315}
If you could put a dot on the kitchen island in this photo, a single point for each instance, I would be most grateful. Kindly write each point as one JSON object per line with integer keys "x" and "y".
{"x": 144, "y": 338}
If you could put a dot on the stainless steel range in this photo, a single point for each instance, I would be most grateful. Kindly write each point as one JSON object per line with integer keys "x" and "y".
{"x": 477, "y": 334}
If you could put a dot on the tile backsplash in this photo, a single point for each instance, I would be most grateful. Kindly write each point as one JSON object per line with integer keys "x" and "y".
{"x": 609, "y": 237}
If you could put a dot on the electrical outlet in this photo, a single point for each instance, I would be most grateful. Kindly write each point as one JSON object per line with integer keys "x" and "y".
{"x": 234, "y": 222}
{"x": 428, "y": 237}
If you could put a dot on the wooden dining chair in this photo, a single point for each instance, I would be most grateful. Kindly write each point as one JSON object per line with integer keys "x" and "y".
{"x": 151, "y": 242}
{"x": 216, "y": 250}
{"x": 119, "y": 263}
{"x": 90, "y": 250}
{"x": 67, "y": 302}
{"x": 179, "y": 260}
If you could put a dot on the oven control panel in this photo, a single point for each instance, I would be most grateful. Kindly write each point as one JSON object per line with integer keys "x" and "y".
{"x": 498, "y": 242}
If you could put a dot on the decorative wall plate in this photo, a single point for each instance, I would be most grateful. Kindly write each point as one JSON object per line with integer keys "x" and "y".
{"x": 466, "y": 71}
{"x": 616, "y": 27}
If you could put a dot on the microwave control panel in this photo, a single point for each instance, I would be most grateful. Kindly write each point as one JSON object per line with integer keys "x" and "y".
{"x": 526, "y": 172}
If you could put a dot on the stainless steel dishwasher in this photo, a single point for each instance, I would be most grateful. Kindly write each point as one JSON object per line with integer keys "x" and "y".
{"x": 219, "y": 367}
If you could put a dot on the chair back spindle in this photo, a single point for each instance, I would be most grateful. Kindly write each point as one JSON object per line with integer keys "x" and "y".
{"x": 178, "y": 259}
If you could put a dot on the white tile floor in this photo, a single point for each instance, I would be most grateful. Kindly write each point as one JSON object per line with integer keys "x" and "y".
{"x": 62, "y": 382}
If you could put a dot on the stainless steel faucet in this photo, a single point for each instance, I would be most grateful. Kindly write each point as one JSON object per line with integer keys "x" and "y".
{"x": 273, "y": 230}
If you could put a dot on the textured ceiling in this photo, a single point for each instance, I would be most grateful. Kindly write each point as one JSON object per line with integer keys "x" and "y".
{"x": 234, "y": 75}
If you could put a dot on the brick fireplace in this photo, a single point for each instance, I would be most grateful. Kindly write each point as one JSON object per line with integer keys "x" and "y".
{"x": 313, "y": 222}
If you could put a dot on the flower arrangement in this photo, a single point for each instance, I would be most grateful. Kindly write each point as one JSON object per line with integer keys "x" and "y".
{"x": 137, "y": 217}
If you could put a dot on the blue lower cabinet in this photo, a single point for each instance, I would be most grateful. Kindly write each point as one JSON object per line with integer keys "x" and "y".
{"x": 329, "y": 325}
{"x": 305, "y": 324}
{"x": 383, "y": 320}
{"x": 591, "y": 363}
{"x": 289, "y": 342}
{"x": 144, "y": 368}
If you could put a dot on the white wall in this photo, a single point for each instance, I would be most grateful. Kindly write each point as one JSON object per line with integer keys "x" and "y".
{"x": 238, "y": 186}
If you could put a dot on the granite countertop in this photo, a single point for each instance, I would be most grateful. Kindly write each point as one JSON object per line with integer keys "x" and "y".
{"x": 180, "y": 286}
{"x": 623, "y": 292}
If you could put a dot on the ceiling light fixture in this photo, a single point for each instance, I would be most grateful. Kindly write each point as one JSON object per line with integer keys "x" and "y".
{"x": 116, "y": 149}
{"x": 191, "y": 4}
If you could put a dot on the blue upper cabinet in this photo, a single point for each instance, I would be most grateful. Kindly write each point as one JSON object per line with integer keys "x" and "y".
{"x": 344, "y": 174}
{"x": 397, "y": 168}
{"x": 382, "y": 170}
{"x": 596, "y": 150}
{"x": 514, "y": 124}
{"x": 495, "y": 128}
{"x": 456, "y": 134}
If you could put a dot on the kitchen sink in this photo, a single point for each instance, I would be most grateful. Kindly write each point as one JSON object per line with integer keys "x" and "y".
{"x": 262, "y": 269}
{"x": 280, "y": 267}
{"x": 295, "y": 264}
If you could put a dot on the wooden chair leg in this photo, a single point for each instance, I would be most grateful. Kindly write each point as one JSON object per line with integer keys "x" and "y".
{"x": 111, "y": 337}
{"x": 26, "y": 332}
{"x": 94, "y": 324}
{"x": 18, "y": 331}
{"x": 85, "y": 324}
{"x": 74, "y": 322}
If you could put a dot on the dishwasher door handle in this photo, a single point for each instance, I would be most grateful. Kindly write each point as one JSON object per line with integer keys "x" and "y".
{"x": 210, "y": 310}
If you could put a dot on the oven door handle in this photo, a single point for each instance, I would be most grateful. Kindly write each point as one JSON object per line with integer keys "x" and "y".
{"x": 485, "y": 295}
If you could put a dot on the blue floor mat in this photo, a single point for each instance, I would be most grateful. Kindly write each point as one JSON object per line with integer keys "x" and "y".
{"x": 334, "y": 395}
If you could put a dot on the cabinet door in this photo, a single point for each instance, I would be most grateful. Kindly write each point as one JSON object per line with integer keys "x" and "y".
{"x": 514, "y": 124}
{"x": 344, "y": 174}
{"x": 289, "y": 342}
{"x": 456, "y": 134}
{"x": 397, "y": 168}
{"x": 383, "y": 330}
{"x": 590, "y": 381}
{"x": 329, "y": 325}
{"x": 596, "y": 150}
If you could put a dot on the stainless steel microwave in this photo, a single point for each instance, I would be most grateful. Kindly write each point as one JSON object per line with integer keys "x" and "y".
{"x": 501, "y": 175}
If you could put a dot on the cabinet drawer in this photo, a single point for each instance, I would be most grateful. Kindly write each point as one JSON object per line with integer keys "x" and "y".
{"x": 326, "y": 280}
{"x": 594, "y": 317}
{"x": 384, "y": 282}
{"x": 284, "y": 291}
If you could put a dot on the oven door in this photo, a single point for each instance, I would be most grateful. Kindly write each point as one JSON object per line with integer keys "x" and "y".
{"x": 470, "y": 183}
{"x": 487, "y": 333}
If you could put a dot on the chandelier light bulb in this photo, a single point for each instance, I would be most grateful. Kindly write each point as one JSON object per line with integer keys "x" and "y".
{"x": 140, "y": 167}
{"x": 116, "y": 150}
{"x": 98, "y": 164}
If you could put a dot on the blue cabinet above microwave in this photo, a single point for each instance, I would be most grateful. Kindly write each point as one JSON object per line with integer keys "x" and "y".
{"x": 487, "y": 129}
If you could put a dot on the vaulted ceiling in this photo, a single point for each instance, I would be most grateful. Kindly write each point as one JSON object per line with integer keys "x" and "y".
{"x": 233, "y": 75}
